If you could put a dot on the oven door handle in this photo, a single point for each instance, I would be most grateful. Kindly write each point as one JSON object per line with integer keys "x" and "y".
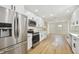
{"x": 74, "y": 45}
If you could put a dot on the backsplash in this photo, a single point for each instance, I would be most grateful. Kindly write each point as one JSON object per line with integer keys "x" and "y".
{"x": 75, "y": 29}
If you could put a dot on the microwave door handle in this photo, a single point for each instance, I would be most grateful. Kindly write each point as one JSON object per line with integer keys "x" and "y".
{"x": 74, "y": 45}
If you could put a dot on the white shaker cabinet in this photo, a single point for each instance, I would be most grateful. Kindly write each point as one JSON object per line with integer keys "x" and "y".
{"x": 6, "y": 6}
{"x": 75, "y": 18}
{"x": 40, "y": 23}
{"x": 12, "y": 7}
{"x": 20, "y": 9}
{"x": 75, "y": 22}
{"x": 43, "y": 35}
{"x": 69, "y": 39}
{"x": 75, "y": 44}
{"x": 17, "y": 8}
{"x": 29, "y": 41}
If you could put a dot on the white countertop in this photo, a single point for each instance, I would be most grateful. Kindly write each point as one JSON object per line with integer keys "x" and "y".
{"x": 76, "y": 35}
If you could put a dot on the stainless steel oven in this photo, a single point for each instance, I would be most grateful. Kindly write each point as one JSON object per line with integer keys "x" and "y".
{"x": 35, "y": 39}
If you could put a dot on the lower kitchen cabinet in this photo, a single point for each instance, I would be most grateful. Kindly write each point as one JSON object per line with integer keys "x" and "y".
{"x": 29, "y": 41}
{"x": 69, "y": 39}
{"x": 75, "y": 44}
{"x": 43, "y": 35}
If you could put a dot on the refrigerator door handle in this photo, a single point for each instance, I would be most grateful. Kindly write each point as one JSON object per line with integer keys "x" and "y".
{"x": 16, "y": 27}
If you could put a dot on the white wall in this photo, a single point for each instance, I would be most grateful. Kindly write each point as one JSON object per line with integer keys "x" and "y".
{"x": 53, "y": 27}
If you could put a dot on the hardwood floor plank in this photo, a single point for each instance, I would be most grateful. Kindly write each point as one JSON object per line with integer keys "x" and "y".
{"x": 53, "y": 44}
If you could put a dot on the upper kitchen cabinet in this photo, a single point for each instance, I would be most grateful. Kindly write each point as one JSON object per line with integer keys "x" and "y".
{"x": 75, "y": 18}
{"x": 6, "y": 15}
{"x": 19, "y": 8}
{"x": 75, "y": 22}
{"x": 40, "y": 22}
{"x": 7, "y": 6}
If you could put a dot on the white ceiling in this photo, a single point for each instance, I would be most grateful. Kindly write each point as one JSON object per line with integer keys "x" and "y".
{"x": 50, "y": 12}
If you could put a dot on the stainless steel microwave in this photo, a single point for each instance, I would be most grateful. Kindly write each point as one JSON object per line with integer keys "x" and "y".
{"x": 32, "y": 23}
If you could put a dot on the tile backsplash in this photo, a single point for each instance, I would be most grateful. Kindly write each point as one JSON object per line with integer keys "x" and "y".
{"x": 75, "y": 29}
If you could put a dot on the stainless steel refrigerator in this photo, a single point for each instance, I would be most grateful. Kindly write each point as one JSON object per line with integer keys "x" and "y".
{"x": 13, "y": 32}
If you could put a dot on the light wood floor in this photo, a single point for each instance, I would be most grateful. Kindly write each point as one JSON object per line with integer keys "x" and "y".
{"x": 53, "y": 44}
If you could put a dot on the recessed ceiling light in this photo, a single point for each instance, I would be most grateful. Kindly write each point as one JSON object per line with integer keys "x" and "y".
{"x": 43, "y": 16}
{"x": 51, "y": 14}
{"x": 36, "y": 10}
{"x": 59, "y": 25}
{"x": 68, "y": 11}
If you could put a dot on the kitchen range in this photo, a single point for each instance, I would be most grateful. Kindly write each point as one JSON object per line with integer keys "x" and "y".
{"x": 33, "y": 39}
{"x": 33, "y": 36}
{"x": 13, "y": 32}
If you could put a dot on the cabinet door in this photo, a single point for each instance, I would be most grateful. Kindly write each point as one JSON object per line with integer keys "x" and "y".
{"x": 75, "y": 22}
{"x": 69, "y": 39}
{"x": 74, "y": 44}
{"x": 40, "y": 23}
{"x": 6, "y": 6}
{"x": 19, "y": 8}
{"x": 77, "y": 46}
{"x": 29, "y": 41}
